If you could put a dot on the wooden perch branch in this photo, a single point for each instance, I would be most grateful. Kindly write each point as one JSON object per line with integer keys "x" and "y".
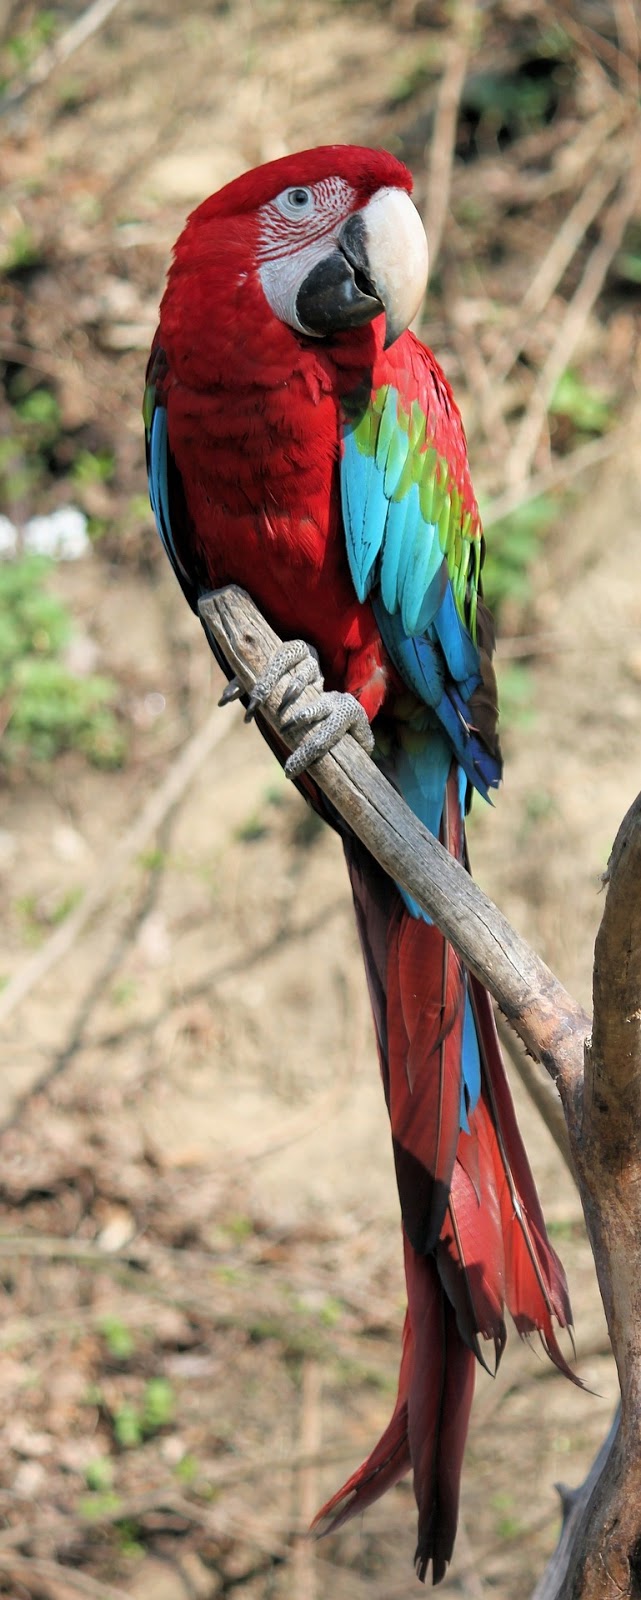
{"x": 548, "y": 1020}
{"x": 599, "y": 1557}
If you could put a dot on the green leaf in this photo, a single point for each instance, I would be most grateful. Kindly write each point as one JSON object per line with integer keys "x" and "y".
{"x": 158, "y": 1405}
{"x": 586, "y": 407}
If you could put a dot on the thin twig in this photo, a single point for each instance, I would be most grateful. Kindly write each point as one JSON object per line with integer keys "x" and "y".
{"x": 558, "y": 472}
{"x": 574, "y": 321}
{"x": 595, "y": 43}
{"x": 439, "y": 179}
{"x": 541, "y": 1091}
{"x": 88, "y": 23}
{"x": 58, "y": 1581}
{"x": 549, "y": 272}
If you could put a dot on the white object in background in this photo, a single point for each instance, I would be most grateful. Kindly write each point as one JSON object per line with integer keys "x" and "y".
{"x": 62, "y": 534}
{"x": 8, "y": 538}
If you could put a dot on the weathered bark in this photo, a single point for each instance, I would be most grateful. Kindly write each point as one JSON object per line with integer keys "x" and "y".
{"x": 603, "y": 1556}
{"x": 599, "y": 1082}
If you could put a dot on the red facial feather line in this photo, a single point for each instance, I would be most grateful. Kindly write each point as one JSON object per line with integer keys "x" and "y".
{"x": 333, "y": 201}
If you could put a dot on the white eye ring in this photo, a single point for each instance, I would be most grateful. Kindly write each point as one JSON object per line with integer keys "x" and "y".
{"x": 295, "y": 202}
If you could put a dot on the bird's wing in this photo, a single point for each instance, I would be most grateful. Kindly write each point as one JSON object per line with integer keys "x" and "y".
{"x": 165, "y": 485}
{"x": 415, "y": 548}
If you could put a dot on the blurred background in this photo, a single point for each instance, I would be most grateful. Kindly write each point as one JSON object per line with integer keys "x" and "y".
{"x": 199, "y": 1244}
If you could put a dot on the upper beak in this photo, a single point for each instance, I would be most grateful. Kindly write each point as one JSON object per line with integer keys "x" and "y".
{"x": 396, "y": 249}
{"x": 379, "y": 264}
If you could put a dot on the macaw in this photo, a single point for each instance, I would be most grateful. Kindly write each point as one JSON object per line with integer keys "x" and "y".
{"x": 303, "y": 443}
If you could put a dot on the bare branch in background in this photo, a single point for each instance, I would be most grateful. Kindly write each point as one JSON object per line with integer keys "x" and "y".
{"x": 441, "y": 162}
{"x": 575, "y": 320}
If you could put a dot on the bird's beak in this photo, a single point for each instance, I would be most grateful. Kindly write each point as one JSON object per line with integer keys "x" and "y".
{"x": 379, "y": 263}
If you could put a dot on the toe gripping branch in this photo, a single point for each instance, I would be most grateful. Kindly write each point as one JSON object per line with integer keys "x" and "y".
{"x": 321, "y": 724}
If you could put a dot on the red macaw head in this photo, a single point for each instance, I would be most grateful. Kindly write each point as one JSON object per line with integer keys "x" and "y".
{"x": 330, "y": 238}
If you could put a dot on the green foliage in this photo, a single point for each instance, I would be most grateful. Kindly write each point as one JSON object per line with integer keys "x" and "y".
{"x": 516, "y": 693}
{"x": 585, "y": 407}
{"x": 35, "y": 423}
{"x": 186, "y": 1470}
{"x": 133, "y": 1424}
{"x": 252, "y": 828}
{"x": 40, "y": 409}
{"x": 23, "y": 47}
{"x": 512, "y": 547}
{"x": 508, "y": 1525}
{"x": 93, "y": 466}
{"x": 627, "y": 263}
{"x": 100, "y": 1503}
{"x": 331, "y": 1311}
{"x": 118, "y": 1338}
{"x": 47, "y": 709}
{"x": 38, "y": 913}
{"x": 421, "y": 71}
{"x": 124, "y": 991}
{"x": 240, "y": 1227}
{"x": 158, "y": 1405}
{"x": 99, "y": 1475}
{"x": 127, "y": 1426}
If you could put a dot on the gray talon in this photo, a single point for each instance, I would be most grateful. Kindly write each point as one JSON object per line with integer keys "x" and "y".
{"x": 309, "y": 673}
{"x": 283, "y": 660}
{"x": 331, "y": 717}
{"x": 232, "y": 692}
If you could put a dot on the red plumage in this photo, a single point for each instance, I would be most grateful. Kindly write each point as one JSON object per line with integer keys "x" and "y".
{"x": 492, "y": 1247}
{"x": 254, "y": 413}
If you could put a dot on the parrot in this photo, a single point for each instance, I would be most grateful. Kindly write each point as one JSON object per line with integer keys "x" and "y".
{"x": 303, "y": 443}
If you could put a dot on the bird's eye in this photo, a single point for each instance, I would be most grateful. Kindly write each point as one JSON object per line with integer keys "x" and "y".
{"x": 297, "y": 202}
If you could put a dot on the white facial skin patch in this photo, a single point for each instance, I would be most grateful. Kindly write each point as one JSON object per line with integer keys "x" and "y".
{"x": 281, "y": 278}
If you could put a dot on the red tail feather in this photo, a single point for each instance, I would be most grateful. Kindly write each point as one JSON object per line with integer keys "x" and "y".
{"x": 439, "y": 1401}
{"x": 471, "y": 1259}
{"x": 425, "y": 1000}
{"x": 387, "y": 1464}
{"x": 535, "y": 1283}
{"x": 428, "y": 1427}
{"x": 474, "y": 1233}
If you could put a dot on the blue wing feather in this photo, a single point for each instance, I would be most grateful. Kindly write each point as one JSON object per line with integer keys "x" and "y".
{"x": 404, "y": 535}
{"x": 159, "y": 489}
{"x": 364, "y": 511}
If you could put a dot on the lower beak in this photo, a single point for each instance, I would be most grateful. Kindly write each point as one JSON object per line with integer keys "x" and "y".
{"x": 336, "y": 296}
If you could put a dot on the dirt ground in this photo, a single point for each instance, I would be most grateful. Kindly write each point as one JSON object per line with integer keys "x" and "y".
{"x": 199, "y": 1241}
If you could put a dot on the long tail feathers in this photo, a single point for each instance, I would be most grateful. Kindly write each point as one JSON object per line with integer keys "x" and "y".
{"x": 439, "y": 1401}
{"x": 425, "y": 1016}
{"x": 474, "y": 1233}
{"x": 428, "y": 1427}
{"x": 535, "y": 1285}
{"x": 388, "y": 1462}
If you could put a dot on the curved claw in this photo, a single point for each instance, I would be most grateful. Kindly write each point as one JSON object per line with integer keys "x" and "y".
{"x": 289, "y": 655}
{"x": 232, "y": 692}
{"x": 309, "y": 673}
{"x": 330, "y": 718}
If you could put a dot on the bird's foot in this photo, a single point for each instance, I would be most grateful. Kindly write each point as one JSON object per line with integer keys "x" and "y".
{"x": 293, "y": 654}
{"x": 330, "y": 717}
